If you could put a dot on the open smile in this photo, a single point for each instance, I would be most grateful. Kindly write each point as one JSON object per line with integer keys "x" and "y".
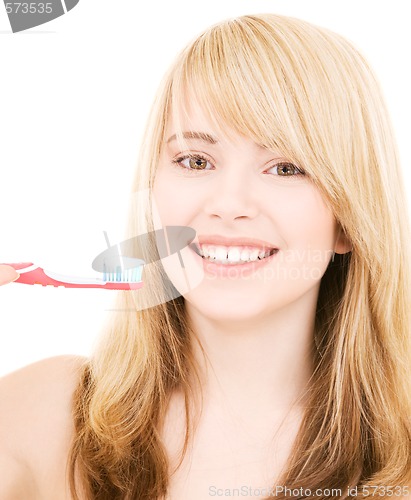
{"x": 232, "y": 255}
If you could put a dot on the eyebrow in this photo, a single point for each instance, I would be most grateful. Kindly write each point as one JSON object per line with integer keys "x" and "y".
{"x": 195, "y": 135}
{"x": 202, "y": 136}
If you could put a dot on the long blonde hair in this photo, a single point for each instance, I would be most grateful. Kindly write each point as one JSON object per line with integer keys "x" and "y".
{"x": 307, "y": 92}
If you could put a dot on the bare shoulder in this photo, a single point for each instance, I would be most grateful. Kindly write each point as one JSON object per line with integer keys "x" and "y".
{"x": 36, "y": 425}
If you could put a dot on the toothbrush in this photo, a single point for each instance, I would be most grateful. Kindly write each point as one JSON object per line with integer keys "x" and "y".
{"x": 119, "y": 272}
{"x": 118, "y": 279}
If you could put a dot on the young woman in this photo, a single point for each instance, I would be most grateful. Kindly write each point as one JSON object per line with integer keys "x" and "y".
{"x": 285, "y": 370}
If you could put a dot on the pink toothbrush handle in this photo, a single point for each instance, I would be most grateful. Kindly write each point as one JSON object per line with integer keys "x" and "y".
{"x": 37, "y": 276}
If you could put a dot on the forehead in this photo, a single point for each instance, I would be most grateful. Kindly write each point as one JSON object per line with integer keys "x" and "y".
{"x": 190, "y": 122}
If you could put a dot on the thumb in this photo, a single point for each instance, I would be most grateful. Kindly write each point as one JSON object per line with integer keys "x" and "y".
{"x": 7, "y": 274}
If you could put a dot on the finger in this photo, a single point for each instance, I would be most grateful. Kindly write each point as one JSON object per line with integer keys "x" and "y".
{"x": 7, "y": 274}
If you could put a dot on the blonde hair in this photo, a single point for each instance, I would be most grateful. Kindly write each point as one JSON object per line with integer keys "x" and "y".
{"x": 307, "y": 92}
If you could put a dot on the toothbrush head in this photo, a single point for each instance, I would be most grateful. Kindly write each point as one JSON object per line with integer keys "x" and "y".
{"x": 122, "y": 278}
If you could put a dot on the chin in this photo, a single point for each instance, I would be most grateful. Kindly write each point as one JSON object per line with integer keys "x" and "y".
{"x": 232, "y": 308}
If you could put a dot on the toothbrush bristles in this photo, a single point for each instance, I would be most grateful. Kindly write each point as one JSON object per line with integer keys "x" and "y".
{"x": 119, "y": 276}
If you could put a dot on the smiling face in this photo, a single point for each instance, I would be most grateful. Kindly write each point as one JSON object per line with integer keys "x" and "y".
{"x": 246, "y": 203}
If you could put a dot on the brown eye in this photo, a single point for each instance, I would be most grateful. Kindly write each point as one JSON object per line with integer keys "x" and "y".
{"x": 193, "y": 163}
{"x": 286, "y": 169}
{"x": 197, "y": 163}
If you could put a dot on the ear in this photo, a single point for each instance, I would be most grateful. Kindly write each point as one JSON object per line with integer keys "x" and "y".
{"x": 342, "y": 244}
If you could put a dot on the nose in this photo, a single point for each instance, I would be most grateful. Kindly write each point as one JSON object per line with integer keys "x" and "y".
{"x": 232, "y": 196}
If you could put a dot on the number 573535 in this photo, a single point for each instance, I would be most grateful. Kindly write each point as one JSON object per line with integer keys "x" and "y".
{"x": 29, "y": 8}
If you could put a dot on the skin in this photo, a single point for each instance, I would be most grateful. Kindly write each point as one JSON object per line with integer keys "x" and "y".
{"x": 264, "y": 321}
{"x": 257, "y": 331}
{"x": 7, "y": 274}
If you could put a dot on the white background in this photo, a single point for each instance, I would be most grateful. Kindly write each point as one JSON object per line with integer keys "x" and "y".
{"x": 74, "y": 97}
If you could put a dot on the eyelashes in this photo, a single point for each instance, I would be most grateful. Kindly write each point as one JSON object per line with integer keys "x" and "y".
{"x": 196, "y": 163}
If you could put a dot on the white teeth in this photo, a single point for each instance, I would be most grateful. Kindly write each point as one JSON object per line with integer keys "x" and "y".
{"x": 245, "y": 255}
{"x": 211, "y": 252}
{"x": 232, "y": 255}
{"x": 221, "y": 253}
{"x": 254, "y": 254}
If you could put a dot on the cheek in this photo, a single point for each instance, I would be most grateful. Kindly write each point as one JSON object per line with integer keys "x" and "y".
{"x": 169, "y": 207}
{"x": 175, "y": 201}
{"x": 308, "y": 230}
{"x": 164, "y": 197}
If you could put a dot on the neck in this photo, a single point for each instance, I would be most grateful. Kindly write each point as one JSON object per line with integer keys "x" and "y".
{"x": 264, "y": 363}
